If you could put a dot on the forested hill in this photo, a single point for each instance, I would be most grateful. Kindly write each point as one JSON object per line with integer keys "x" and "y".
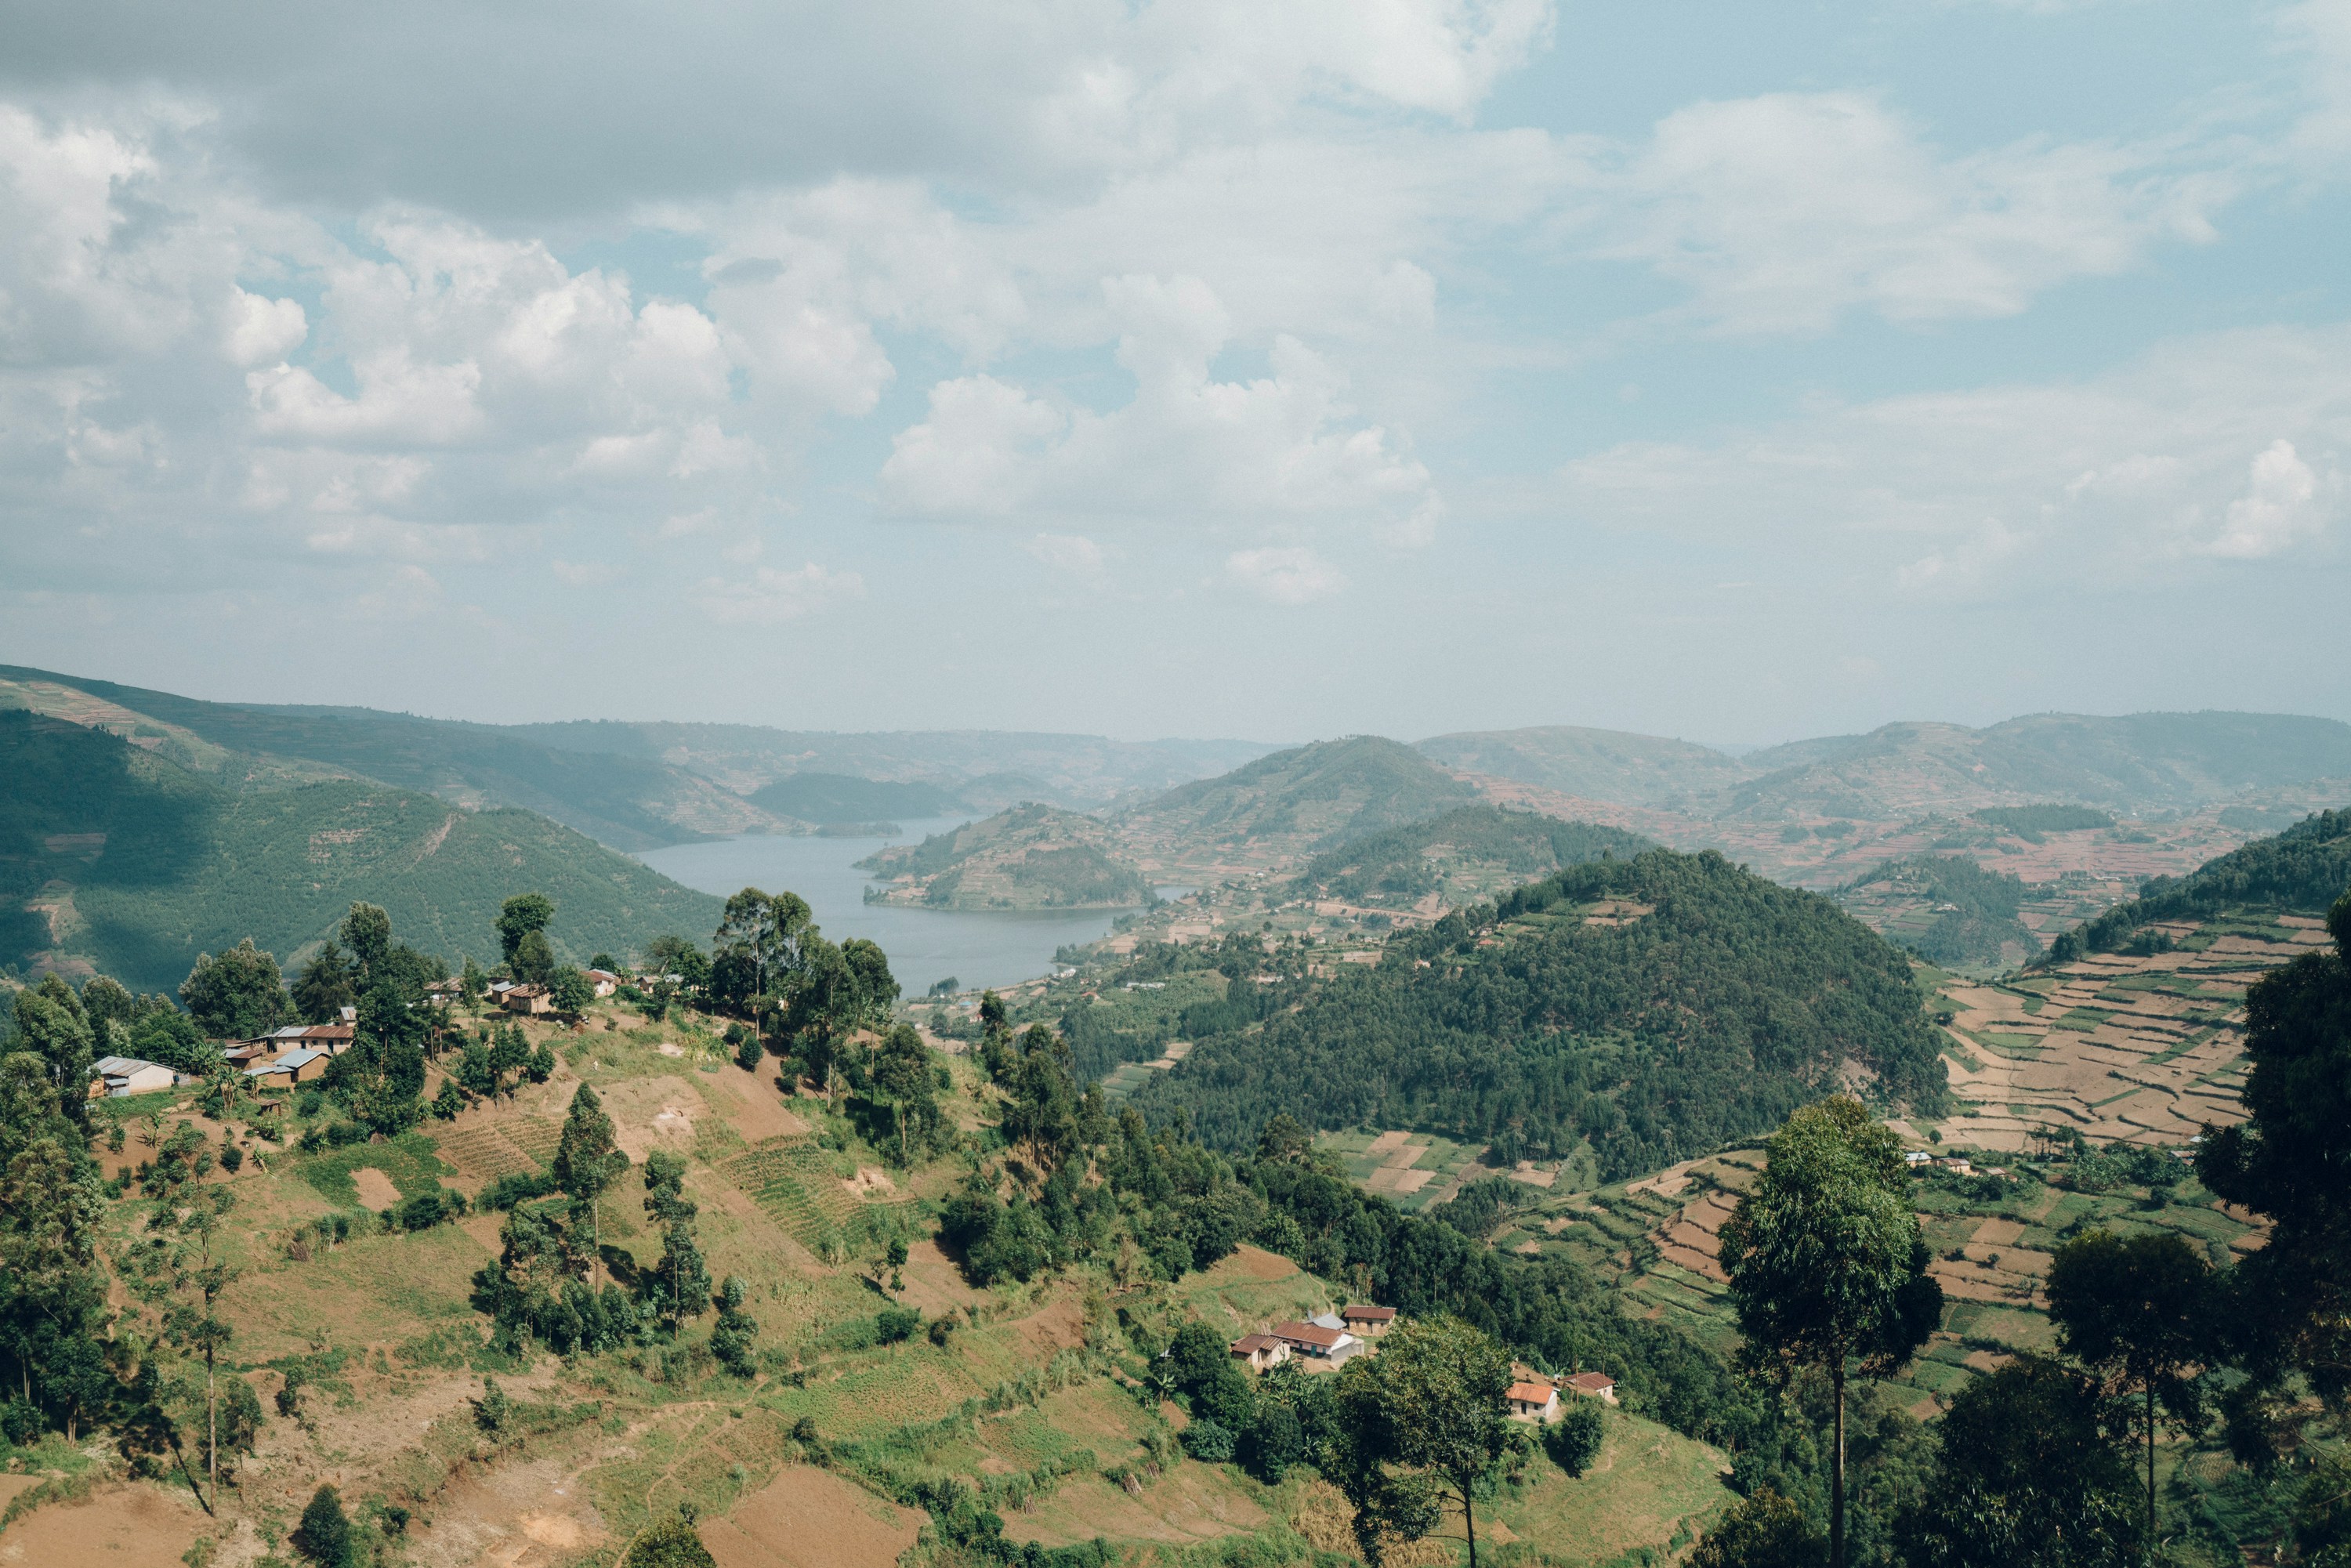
{"x": 125, "y": 860}
{"x": 1478, "y": 850}
{"x": 1032, "y": 857}
{"x": 2303, "y": 869}
{"x": 1658, "y": 1007}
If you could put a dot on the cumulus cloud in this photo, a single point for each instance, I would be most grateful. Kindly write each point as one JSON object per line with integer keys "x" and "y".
{"x": 1286, "y": 575}
{"x": 2279, "y": 508}
{"x": 769, "y": 596}
{"x": 1187, "y": 443}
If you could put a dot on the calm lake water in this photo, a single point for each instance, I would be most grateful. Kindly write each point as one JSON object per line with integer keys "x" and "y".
{"x": 924, "y": 946}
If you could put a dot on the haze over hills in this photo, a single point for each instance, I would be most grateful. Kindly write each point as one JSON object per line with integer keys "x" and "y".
{"x": 2133, "y": 763}
{"x": 115, "y": 859}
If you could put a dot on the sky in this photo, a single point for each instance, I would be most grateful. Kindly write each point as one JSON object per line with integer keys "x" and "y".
{"x": 1183, "y": 367}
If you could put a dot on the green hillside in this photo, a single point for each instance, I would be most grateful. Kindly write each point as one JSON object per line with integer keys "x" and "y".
{"x": 1297, "y": 801}
{"x": 1470, "y": 851}
{"x": 1658, "y": 1006}
{"x": 2301, "y": 871}
{"x": 629, "y": 803}
{"x": 127, "y": 861}
{"x": 1030, "y": 857}
{"x": 1948, "y": 909}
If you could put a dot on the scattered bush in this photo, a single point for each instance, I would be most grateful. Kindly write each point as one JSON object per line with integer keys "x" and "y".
{"x": 1207, "y": 1441}
{"x": 324, "y": 1536}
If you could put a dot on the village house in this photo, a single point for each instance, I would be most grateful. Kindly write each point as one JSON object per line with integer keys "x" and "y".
{"x": 1319, "y": 1339}
{"x": 1536, "y": 1402}
{"x": 1594, "y": 1385}
{"x": 603, "y": 981}
{"x": 120, "y": 1075}
{"x": 1368, "y": 1322}
{"x": 330, "y": 1038}
{"x": 448, "y": 990}
{"x": 1259, "y": 1351}
{"x": 532, "y": 999}
{"x": 297, "y": 1066}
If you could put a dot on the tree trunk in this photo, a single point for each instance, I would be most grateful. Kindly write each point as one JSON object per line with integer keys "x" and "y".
{"x": 1836, "y": 1474}
{"x": 2150, "y": 1470}
{"x": 212, "y": 1431}
{"x": 1469, "y": 1520}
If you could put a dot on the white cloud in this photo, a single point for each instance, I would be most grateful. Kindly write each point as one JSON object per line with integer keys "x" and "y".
{"x": 1783, "y": 212}
{"x": 1287, "y": 575}
{"x": 1281, "y": 445}
{"x": 2279, "y": 508}
{"x": 769, "y": 596}
{"x": 261, "y": 330}
{"x": 584, "y": 574}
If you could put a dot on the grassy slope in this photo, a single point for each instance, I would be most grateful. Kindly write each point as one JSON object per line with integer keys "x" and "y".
{"x": 381, "y": 1325}
{"x": 186, "y": 868}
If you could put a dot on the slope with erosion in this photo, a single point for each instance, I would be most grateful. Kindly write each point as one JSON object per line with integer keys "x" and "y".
{"x": 119, "y": 860}
{"x": 1032, "y": 857}
{"x": 1654, "y": 1008}
{"x": 628, "y": 802}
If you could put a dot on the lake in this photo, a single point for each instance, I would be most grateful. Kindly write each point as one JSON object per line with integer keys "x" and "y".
{"x": 924, "y": 946}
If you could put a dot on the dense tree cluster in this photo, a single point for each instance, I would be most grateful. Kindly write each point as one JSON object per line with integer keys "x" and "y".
{"x": 1711, "y": 1017}
{"x": 2304, "y": 867}
{"x": 1982, "y": 917}
{"x": 1408, "y": 862}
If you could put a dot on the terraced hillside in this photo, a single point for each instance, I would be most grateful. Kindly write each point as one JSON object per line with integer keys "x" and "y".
{"x": 2143, "y": 1048}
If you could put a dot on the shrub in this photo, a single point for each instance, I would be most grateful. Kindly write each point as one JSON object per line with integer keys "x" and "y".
{"x": 510, "y": 1190}
{"x": 1573, "y": 1440}
{"x": 673, "y": 1543}
{"x": 1207, "y": 1441}
{"x": 232, "y": 1158}
{"x": 892, "y": 1325}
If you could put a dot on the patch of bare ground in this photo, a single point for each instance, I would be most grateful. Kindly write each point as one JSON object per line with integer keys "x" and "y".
{"x": 1248, "y": 1262}
{"x": 808, "y": 1518}
{"x": 532, "y": 1514}
{"x": 1059, "y": 1325}
{"x": 753, "y": 1105}
{"x": 376, "y": 1191}
{"x": 651, "y": 1113}
{"x": 122, "y": 1527}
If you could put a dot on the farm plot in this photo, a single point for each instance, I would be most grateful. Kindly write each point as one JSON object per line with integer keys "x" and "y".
{"x": 2141, "y": 1049}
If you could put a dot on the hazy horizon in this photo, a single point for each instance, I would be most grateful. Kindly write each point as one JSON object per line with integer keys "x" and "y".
{"x": 1184, "y": 371}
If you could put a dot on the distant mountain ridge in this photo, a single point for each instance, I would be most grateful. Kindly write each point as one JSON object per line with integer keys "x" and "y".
{"x": 2133, "y": 762}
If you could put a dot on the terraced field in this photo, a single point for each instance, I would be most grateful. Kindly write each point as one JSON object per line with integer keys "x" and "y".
{"x": 1412, "y": 1170}
{"x": 797, "y": 1185}
{"x": 2142, "y": 1048}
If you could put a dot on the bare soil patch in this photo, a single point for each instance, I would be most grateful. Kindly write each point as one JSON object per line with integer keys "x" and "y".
{"x": 651, "y": 1113}
{"x": 122, "y": 1527}
{"x": 807, "y": 1518}
{"x": 376, "y": 1191}
{"x": 753, "y": 1105}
